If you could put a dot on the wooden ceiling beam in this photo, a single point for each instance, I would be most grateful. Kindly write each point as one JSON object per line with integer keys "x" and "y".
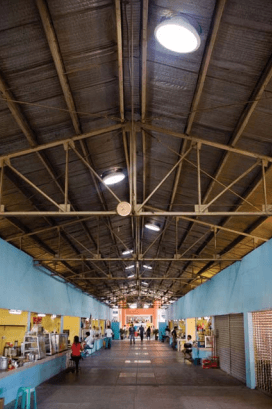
{"x": 56, "y": 55}
{"x": 218, "y": 12}
{"x": 217, "y": 16}
{"x": 237, "y": 133}
{"x": 144, "y": 58}
{"x": 120, "y": 58}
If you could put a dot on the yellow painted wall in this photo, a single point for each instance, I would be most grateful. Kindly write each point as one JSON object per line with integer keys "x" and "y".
{"x": 73, "y": 325}
{"x": 181, "y": 325}
{"x": 12, "y": 328}
{"x": 49, "y": 324}
{"x": 102, "y": 324}
{"x": 11, "y": 319}
{"x": 191, "y": 328}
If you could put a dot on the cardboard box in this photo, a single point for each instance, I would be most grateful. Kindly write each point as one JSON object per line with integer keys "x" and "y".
{"x": 2, "y": 403}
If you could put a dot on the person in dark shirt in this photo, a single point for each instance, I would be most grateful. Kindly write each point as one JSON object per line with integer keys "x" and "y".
{"x": 148, "y": 332}
{"x": 141, "y": 331}
{"x": 132, "y": 334}
{"x": 174, "y": 335}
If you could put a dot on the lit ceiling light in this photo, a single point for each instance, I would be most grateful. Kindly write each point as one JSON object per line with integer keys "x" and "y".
{"x": 144, "y": 283}
{"x": 131, "y": 276}
{"x": 147, "y": 267}
{"x": 178, "y": 35}
{"x": 53, "y": 316}
{"x": 129, "y": 267}
{"x": 171, "y": 301}
{"x": 146, "y": 306}
{"x": 133, "y": 306}
{"x": 152, "y": 226}
{"x": 15, "y": 312}
{"x": 127, "y": 252}
{"x": 113, "y": 176}
{"x": 41, "y": 315}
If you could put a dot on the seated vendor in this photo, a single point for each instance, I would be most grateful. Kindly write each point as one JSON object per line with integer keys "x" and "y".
{"x": 89, "y": 341}
{"x": 188, "y": 347}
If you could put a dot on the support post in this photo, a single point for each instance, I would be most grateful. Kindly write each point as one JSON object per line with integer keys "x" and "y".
{"x": 28, "y": 321}
{"x": 249, "y": 351}
{"x": 61, "y": 324}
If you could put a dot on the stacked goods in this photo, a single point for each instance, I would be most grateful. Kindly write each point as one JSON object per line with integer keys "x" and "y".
{"x": 215, "y": 362}
{"x": 206, "y": 363}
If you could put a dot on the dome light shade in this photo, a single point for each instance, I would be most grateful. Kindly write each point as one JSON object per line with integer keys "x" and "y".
{"x": 152, "y": 226}
{"x": 178, "y": 35}
{"x": 127, "y": 252}
{"x": 113, "y": 176}
{"x": 129, "y": 267}
{"x": 147, "y": 267}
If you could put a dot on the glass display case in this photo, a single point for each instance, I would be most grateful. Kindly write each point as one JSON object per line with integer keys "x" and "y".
{"x": 50, "y": 343}
{"x": 34, "y": 346}
{"x": 61, "y": 342}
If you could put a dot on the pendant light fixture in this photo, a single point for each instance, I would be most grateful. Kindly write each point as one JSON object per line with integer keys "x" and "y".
{"x": 113, "y": 176}
{"x": 178, "y": 35}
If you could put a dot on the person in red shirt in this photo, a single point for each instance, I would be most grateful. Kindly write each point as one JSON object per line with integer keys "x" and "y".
{"x": 76, "y": 349}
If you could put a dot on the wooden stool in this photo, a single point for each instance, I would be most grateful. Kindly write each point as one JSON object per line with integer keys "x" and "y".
{"x": 26, "y": 398}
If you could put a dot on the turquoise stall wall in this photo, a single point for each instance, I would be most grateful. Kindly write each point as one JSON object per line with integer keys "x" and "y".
{"x": 29, "y": 288}
{"x": 30, "y": 377}
{"x": 244, "y": 287}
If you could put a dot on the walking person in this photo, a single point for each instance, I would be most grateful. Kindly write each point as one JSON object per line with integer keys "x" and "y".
{"x": 174, "y": 335}
{"x": 132, "y": 334}
{"x": 109, "y": 335}
{"x": 76, "y": 349}
{"x": 141, "y": 331}
{"x": 148, "y": 332}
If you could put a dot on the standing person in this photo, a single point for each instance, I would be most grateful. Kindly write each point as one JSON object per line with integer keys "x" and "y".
{"x": 109, "y": 335}
{"x": 76, "y": 349}
{"x": 174, "y": 335}
{"x": 148, "y": 332}
{"x": 132, "y": 334}
{"x": 141, "y": 331}
{"x": 166, "y": 336}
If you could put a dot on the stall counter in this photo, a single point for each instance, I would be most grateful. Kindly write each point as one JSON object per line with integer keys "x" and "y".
{"x": 37, "y": 372}
{"x": 202, "y": 353}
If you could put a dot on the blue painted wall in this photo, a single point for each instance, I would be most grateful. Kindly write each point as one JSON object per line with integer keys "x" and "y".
{"x": 243, "y": 287}
{"x": 115, "y": 326}
{"x": 162, "y": 326}
{"x": 24, "y": 287}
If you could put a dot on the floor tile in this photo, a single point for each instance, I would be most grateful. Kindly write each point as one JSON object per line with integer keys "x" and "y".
{"x": 125, "y": 377}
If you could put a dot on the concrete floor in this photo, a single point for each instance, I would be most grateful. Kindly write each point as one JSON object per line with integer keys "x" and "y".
{"x": 145, "y": 376}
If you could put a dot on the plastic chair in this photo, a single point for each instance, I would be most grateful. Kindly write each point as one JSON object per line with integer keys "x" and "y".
{"x": 26, "y": 397}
